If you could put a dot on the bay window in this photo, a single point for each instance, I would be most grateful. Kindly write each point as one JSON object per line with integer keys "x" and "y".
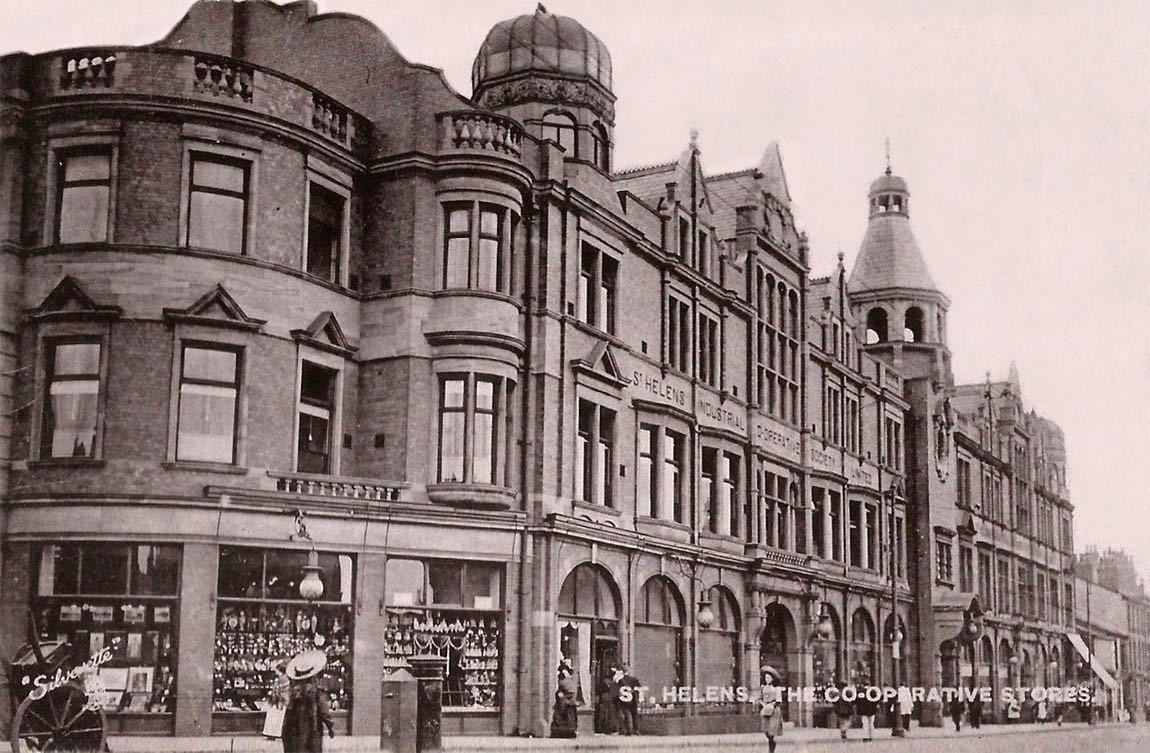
{"x": 477, "y": 243}
{"x": 472, "y": 426}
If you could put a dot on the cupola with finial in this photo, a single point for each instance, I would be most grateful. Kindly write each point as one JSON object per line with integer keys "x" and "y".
{"x": 554, "y": 76}
{"x": 890, "y": 287}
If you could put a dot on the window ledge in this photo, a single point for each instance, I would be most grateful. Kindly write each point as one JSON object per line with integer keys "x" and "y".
{"x": 660, "y": 522}
{"x": 471, "y": 496}
{"x": 605, "y": 509}
{"x": 46, "y": 463}
{"x": 202, "y": 467}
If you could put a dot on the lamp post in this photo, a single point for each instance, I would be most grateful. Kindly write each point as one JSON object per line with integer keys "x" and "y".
{"x": 895, "y": 492}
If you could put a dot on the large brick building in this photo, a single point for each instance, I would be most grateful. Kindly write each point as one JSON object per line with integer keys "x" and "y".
{"x": 522, "y": 405}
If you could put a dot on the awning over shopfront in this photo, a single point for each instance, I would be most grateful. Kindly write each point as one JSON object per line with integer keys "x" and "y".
{"x": 1080, "y": 647}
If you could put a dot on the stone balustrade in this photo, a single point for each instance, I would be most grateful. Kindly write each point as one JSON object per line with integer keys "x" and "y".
{"x": 88, "y": 69}
{"x": 471, "y": 130}
{"x": 181, "y": 74}
{"x": 315, "y": 485}
{"x": 222, "y": 77}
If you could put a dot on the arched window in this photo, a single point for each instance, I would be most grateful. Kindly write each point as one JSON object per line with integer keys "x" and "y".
{"x": 876, "y": 326}
{"x": 912, "y": 327}
{"x": 589, "y": 608}
{"x": 862, "y": 649}
{"x": 825, "y": 646}
{"x": 560, "y": 127}
{"x": 793, "y": 318}
{"x": 719, "y": 643}
{"x": 659, "y": 618}
{"x": 602, "y": 148}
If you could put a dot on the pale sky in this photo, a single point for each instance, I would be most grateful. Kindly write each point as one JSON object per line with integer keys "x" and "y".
{"x": 1023, "y": 129}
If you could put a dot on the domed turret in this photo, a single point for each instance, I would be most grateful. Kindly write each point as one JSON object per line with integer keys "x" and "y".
{"x": 552, "y": 75}
{"x": 541, "y": 43}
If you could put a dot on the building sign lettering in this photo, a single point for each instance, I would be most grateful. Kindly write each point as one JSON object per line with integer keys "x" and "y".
{"x": 717, "y": 414}
{"x": 660, "y": 388}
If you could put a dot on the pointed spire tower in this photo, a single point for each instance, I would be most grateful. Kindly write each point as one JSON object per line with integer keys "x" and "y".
{"x": 892, "y": 291}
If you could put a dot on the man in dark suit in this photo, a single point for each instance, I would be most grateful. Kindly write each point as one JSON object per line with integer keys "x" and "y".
{"x": 628, "y": 701}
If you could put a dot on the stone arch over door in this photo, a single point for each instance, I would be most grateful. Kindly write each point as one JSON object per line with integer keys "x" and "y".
{"x": 779, "y": 648}
{"x": 589, "y": 614}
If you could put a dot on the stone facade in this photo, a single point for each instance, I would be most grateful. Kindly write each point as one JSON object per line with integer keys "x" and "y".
{"x": 608, "y": 415}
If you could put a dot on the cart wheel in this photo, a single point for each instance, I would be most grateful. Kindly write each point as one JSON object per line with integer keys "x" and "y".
{"x": 60, "y": 721}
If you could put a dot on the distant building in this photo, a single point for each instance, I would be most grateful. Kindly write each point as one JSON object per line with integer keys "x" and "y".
{"x": 991, "y": 547}
{"x": 1112, "y": 574}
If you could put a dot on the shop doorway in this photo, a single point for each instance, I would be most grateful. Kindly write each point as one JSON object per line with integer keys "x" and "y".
{"x": 589, "y": 608}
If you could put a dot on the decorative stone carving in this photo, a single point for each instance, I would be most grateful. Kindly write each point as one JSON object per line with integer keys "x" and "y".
{"x": 558, "y": 91}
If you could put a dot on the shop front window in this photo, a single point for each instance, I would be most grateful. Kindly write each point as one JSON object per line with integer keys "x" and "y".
{"x": 862, "y": 649}
{"x": 115, "y": 604}
{"x": 719, "y": 643}
{"x": 451, "y": 609}
{"x": 262, "y": 622}
{"x": 659, "y": 634}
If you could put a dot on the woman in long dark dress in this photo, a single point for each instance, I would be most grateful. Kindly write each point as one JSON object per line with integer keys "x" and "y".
{"x": 565, "y": 714}
{"x": 307, "y": 711}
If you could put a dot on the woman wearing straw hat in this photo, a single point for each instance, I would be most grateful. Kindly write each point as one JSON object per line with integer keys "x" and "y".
{"x": 307, "y": 710}
{"x": 770, "y": 711}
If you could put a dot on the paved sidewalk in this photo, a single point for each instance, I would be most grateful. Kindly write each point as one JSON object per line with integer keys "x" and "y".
{"x": 791, "y": 736}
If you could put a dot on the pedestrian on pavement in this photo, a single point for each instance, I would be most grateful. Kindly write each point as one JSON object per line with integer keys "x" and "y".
{"x": 1013, "y": 711}
{"x": 957, "y": 706}
{"x": 1040, "y": 712}
{"x": 307, "y": 709}
{"x": 628, "y": 701}
{"x": 770, "y": 707}
{"x": 975, "y": 708}
{"x": 905, "y": 705}
{"x": 607, "y": 705}
{"x": 867, "y": 708}
{"x": 844, "y": 710}
{"x": 565, "y": 713}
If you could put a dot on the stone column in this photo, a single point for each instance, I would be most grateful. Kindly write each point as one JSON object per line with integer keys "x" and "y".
{"x": 367, "y": 651}
{"x": 195, "y": 656}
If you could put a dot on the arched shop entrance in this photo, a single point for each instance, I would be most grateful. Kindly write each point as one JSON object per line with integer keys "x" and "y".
{"x": 777, "y": 636}
{"x": 589, "y": 610}
{"x": 862, "y": 669}
{"x": 985, "y": 659}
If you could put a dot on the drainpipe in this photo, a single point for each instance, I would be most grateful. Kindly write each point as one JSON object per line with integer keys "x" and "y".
{"x": 528, "y": 595}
